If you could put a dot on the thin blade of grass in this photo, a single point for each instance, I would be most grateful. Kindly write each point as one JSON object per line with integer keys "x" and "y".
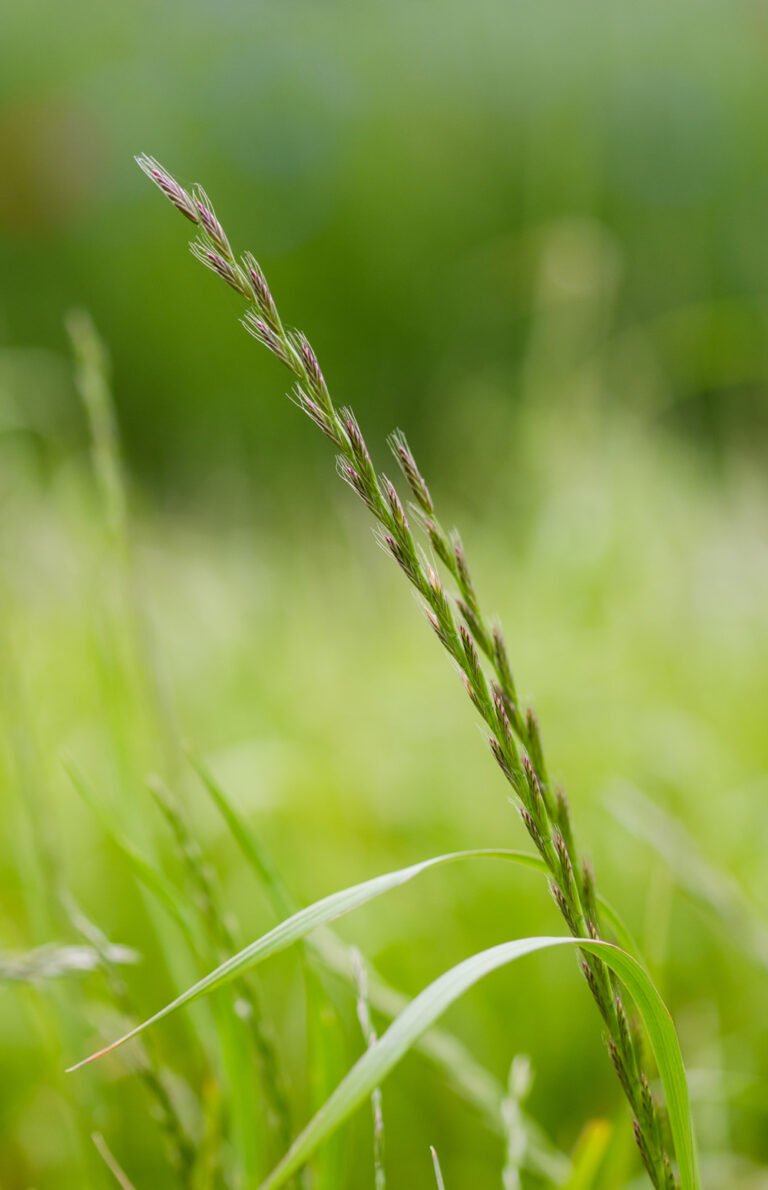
{"x": 438, "y": 1171}
{"x": 301, "y": 923}
{"x": 107, "y": 1157}
{"x": 376, "y": 1063}
{"x": 148, "y": 875}
{"x": 246, "y": 839}
{"x": 471, "y": 1081}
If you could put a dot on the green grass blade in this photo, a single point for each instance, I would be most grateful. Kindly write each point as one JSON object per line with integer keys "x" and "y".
{"x": 301, "y": 923}
{"x": 469, "y": 1079}
{"x": 421, "y": 1013}
{"x": 92, "y": 380}
{"x": 458, "y": 1066}
{"x": 149, "y": 876}
{"x": 245, "y": 838}
{"x": 438, "y": 1171}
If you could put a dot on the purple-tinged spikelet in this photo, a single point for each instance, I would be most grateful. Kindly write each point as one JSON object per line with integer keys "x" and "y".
{"x": 594, "y": 988}
{"x": 531, "y": 827}
{"x": 210, "y": 224}
{"x": 169, "y": 186}
{"x": 501, "y": 662}
{"x": 618, "y": 1066}
{"x": 396, "y": 508}
{"x": 475, "y": 626}
{"x": 644, "y": 1151}
{"x": 502, "y": 718}
{"x": 501, "y": 757}
{"x": 415, "y": 479}
{"x": 261, "y": 291}
{"x": 315, "y": 377}
{"x": 260, "y": 330}
{"x": 462, "y": 572}
{"x": 565, "y": 909}
{"x": 351, "y": 476}
{"x": 438, "y": 542}
{"x": 319, "y": 416}
{"x": 217, "y": 264}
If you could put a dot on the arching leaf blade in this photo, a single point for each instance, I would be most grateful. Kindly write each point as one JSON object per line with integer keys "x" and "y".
{"x": 429, "y": 1005}
{"x": 302, "y": 923}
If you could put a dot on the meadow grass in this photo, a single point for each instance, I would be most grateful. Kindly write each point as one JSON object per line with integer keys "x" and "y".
{"x": 328, "y": 773}
{"x": 515, "y": 738}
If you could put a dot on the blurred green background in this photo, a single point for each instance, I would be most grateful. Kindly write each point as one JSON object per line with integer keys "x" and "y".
{"x": 534, "y": 236}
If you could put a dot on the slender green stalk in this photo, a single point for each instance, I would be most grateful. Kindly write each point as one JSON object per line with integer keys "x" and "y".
{"x": 518, "y": 1088}
{"x": 224, "y": 943}
{"x": 370, "y": 1038}
{"x": 102, "y": 1148}
{"x": 514, "y": 736}
{"x": 180, "y": 1148}
{"x": 92, "y": 376}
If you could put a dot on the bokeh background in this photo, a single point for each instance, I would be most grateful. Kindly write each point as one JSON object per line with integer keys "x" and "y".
{"x": 534, "y": 236}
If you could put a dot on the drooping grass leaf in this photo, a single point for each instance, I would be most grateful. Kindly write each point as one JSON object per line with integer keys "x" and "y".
{"x": 375, "y": 1064}
{"x": 474, "y": 1083}
{"x": 458, "y": 1066}
{"x": 301, "y": 923}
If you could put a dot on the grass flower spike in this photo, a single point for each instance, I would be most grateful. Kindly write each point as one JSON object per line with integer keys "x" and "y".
{"x": 475, "y": 644}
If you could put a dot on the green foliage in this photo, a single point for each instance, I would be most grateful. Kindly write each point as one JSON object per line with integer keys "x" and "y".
{"x": 295, "y": 928}
{"x": 434, "y": 1000}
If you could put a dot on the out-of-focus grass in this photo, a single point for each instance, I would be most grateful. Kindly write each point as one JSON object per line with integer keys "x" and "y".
{"x": 534, "y": 235}
{"x": 633, "y": 588}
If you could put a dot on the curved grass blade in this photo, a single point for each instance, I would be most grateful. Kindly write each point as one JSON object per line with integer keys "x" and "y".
{"x": 421, "y": 1013}
{"x": 280, "y": 898}
{"x": 458, "y": 1066}
{"x": 301, "y": 923}
{"x": 472, "y": 1082}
